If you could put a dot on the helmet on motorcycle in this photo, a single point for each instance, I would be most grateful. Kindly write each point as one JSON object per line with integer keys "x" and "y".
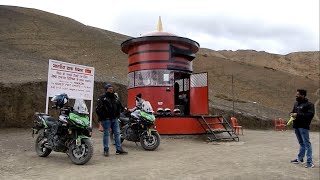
{"x": 60, "y": 100}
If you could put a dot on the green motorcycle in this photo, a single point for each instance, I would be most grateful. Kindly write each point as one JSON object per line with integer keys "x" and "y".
{"x": 139, "y": 127}
{"x": 69, "y": 134}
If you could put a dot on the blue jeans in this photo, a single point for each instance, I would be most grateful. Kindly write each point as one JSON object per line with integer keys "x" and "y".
{"x": 114, "y": 125}
{"x": 305, "y": 144}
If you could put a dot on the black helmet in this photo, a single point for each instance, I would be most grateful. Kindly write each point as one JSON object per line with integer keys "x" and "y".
{"x": 60, "y": 100}
{"x": 138, "y": 96}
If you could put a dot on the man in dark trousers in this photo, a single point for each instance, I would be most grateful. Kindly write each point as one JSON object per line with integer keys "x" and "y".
{"x": 108, "y": 110}
{"x": 303, "y": 112}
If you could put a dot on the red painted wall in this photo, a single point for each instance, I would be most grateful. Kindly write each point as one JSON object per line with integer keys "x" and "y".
{"x": 153, "y": 95}
{"x": 149, "y": 56}
{"x": 149, "y": 46}
{"x": 183, "y": 125}
{"x": 199, "y": 100}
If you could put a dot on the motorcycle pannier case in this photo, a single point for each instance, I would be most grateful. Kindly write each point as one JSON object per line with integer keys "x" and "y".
{"x": 38, "y": 122}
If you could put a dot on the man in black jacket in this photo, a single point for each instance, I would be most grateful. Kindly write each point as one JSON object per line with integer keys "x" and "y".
{"x": 108, "y": 110}
{"x": 303, "y": 112}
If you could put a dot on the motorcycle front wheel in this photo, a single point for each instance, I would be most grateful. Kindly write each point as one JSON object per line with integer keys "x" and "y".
{"x": 41, "y": 150}
{"x": 150, "y": 143}
{"x": 81, "y": 154}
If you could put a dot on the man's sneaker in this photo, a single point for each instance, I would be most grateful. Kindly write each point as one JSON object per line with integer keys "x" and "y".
{"x": 296, "y": 161}
{"x": 106, "y": 153}
{"x": 121, "y": 151}
{"x": 309, "y": 165}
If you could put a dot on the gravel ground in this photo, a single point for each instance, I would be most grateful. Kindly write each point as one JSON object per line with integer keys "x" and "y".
{"x": 258, "y": 155}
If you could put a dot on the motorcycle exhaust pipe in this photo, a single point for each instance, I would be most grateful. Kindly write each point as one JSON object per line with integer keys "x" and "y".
{"x": 46, "y": 145}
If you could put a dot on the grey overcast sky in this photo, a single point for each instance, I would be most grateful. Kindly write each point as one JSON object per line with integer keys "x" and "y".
{"x": 275, "y": 26}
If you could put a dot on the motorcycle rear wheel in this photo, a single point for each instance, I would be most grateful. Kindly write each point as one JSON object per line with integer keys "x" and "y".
{"x": 150, "y": 143}
{"x": 82, "y": 154}
{"x": 39, "y": 147}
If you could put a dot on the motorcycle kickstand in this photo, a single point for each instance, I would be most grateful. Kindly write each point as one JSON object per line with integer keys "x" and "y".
{"x": 136, "y": 143}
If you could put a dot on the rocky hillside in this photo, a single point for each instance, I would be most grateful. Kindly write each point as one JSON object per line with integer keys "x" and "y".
{"x": 264, "y": 83}
{"x": 29, "y": 37}
{"x": 305, "y": 64}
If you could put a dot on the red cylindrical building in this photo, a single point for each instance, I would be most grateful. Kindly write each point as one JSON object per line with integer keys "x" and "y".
{"x": 157, "y": 61}
{"x": 160, "y": 68}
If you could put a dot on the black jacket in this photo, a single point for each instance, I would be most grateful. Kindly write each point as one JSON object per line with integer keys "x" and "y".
{"x": 108, "y": 107}
{"x": 305, "y": 113}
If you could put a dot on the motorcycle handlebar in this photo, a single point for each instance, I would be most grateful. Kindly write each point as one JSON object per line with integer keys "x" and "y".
{"x": 40, "y": 113}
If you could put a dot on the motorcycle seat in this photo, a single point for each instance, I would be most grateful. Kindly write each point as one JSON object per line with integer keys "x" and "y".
{"x": 50, "y": 121}
{"x": 124, "y": 119}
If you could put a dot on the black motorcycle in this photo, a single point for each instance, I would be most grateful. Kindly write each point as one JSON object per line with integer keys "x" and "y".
{"x": 139, "y": 127}
{"x": 69, "y": 134}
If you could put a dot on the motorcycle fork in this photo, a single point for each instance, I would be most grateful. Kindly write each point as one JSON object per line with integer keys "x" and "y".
{"x": 149, "y": 132}
{"x": 78, "y": 139}
{"x": 34, "y": 131}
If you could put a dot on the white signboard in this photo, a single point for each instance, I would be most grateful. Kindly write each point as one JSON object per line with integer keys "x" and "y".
{"x": 75, "y": 80}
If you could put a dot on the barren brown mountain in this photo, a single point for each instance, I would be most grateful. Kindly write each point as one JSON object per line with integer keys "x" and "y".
{"x": 264, "y": 83}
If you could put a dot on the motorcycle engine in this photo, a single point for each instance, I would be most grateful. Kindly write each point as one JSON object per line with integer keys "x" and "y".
{"x": 58, "y": 144}
{"x": 130, "y": 134}
{"x": 56, "y": 137}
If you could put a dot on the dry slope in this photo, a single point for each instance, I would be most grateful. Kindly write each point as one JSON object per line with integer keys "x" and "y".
{"x": 29, "y": 37}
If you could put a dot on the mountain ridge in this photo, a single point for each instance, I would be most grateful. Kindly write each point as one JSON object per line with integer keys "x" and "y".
{"x": 29, "y": 38}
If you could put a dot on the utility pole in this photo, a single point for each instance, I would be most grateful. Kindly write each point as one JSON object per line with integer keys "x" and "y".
{"x": 232, "y": 95}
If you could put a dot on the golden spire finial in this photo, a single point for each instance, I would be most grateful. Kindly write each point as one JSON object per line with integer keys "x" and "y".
{"x": 159, "y": 24}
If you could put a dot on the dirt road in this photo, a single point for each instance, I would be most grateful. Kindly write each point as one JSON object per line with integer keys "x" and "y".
{"x": 258, "y": 155}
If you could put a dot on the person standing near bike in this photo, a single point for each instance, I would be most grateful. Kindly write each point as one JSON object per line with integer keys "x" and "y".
{"x": 303, "y": 112}
{"x": 108, "y": 110}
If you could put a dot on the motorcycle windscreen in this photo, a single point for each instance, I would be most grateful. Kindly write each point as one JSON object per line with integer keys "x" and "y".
{"x": 199, "y": 94}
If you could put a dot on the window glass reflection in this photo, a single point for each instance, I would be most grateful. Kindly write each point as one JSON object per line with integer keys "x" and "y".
{"x": 153, "y": 78}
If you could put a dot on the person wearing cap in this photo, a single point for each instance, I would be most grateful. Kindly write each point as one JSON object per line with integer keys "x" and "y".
{"x": 108, "y": 110}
